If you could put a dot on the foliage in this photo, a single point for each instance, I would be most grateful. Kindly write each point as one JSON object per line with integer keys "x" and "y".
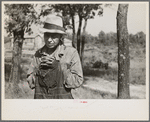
{"x": 20, "y": 17}
{"x": 138, "y": 38}
{"x": 83, "y": 10}
{"x": 45, "y": 9}
{"x": 108, "y": 39}
{"x": 100, "y": 64}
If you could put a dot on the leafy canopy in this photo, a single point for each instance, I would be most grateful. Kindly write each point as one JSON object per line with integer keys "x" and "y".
{"x": 19, "y": 17}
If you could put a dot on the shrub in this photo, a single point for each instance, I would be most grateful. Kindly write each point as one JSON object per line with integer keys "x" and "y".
{"x": 100, "y": 64}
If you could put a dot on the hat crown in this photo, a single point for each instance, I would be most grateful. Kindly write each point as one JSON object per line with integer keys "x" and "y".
{"x": 55, "y": 20}
{"x": 53, "y": 24}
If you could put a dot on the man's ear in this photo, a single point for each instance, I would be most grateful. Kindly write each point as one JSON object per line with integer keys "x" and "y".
{"x": 62, "y": 38}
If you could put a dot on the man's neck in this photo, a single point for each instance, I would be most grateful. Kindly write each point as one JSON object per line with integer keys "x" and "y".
{"x": 50, "y": 50}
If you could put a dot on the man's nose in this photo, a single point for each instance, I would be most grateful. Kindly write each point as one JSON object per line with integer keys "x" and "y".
{"x": 50, "y": 40}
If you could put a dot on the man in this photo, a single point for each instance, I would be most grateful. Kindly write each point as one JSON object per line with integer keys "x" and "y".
{"x": 56, "y": 68}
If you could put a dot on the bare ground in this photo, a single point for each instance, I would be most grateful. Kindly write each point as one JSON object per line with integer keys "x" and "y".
{"x": 99, "y": 88}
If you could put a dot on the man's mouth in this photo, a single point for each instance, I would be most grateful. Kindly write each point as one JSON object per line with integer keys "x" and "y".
{"x": 51, "y": 44}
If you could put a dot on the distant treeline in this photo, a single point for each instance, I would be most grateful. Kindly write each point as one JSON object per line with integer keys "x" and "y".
{"x": 108, "y": 39}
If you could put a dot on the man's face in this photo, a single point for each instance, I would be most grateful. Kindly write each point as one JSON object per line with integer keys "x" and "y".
{"x": 52, "y": 39}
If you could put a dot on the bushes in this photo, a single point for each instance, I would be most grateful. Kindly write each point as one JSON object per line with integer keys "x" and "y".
{"x": 95, "y": 63}
{"x": 110, "y": 74}
{"x": 100, "y": 64}
{"x": 109, "y": 39}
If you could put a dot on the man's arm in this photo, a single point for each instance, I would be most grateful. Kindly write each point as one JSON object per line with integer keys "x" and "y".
{"x": 73, "y": 75}
{"x": 31, "y": 73}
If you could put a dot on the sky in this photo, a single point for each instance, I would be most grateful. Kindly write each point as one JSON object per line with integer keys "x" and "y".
{"x": 136, "y": 20}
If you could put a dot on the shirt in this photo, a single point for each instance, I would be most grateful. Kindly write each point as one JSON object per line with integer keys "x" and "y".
{"x": 70, "y": 64}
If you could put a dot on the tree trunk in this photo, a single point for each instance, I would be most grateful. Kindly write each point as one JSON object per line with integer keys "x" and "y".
{"x": 79, "y": 36}
{"x": 15, "y": 70}
{"x": 83, "y": 41}
{"x": 73, "y": 36}
{"x": 123, "y": 52}
{"x": 73, "y": 24}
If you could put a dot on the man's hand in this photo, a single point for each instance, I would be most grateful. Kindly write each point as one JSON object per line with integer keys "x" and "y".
{"x": 31, "y": 81}
{"x": 47, "y": 60}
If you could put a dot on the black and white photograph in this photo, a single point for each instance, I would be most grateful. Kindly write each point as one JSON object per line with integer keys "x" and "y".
{"x": 83, "y": 53}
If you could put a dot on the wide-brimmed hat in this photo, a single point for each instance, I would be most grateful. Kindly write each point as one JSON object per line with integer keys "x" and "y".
{"x": 53, "y": 24}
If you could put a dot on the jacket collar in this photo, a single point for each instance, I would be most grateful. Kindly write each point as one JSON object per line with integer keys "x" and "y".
{"x": 58, "y": 53}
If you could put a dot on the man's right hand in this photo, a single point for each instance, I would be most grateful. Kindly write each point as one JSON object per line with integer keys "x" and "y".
{"x": 47, "y": 60}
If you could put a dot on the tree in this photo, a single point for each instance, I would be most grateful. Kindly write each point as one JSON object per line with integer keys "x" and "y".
{"x": 85, "y": 12}
{"x": 123, "y": 52}
{"x": 141, "y": 37}
{"x": 102, "y": 37}
{"x": 72, "y": 14}
{"x": 83, "y": 40}
{"x": 20, "y": 18}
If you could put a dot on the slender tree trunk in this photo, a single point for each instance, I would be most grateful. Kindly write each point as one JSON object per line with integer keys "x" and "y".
{"x": 123, "y": 52}
{"x": 16, "y": 60}
{"x": 83, "y": 41}
{"x": 79, "y": 36}
{"x": 73, "y": 36}
{"x": 73, "y": 24}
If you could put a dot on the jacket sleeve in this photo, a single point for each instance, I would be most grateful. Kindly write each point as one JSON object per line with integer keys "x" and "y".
{"x": 31, "y": 73}
{"x": 73, "y": 76}
{"x": 32, "y": 67}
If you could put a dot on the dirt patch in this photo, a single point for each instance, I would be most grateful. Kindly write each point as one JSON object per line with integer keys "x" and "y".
{"x": 106, "y": 89}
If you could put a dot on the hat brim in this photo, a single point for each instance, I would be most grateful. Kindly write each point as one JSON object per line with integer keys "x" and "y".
{"x": 43, "y": 30}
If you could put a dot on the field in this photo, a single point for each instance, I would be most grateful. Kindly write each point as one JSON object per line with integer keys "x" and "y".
{"x": 99, "y": 83}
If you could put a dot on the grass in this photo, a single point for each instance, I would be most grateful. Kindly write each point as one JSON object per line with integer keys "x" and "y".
{"x": 110, "y": 74}
{"x": 88, "y": 93}
{"x": 24, "y": 91}
{"x": 137, "y": 76}
{"x": 109, "y": 54}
